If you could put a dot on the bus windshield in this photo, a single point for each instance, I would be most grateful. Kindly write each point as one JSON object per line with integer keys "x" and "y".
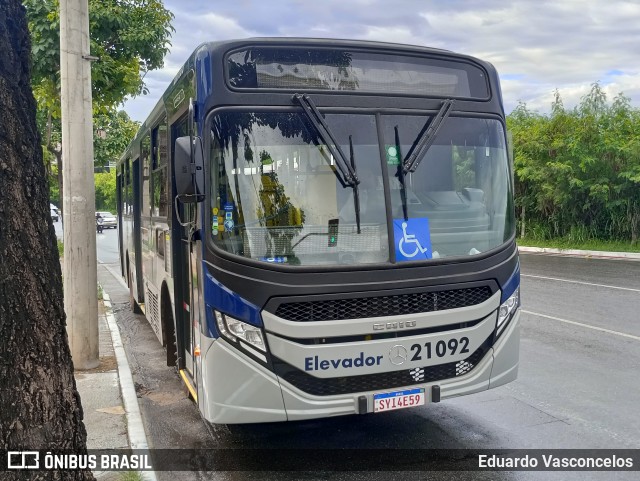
{"x": 276, "y": 194}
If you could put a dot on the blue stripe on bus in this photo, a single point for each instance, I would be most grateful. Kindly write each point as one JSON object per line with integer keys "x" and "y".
{"x": 223, "y": 299}
{"x": 204, "y": 88}
{"x": 511, "y": 285}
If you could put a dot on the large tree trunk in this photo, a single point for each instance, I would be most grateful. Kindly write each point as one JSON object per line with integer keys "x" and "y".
{"x": 39, "y": 404}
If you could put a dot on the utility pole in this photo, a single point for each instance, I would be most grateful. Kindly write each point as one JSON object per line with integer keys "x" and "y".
{"x": 80, "y": 263}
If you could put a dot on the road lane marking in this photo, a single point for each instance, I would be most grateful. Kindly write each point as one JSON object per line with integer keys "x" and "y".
{"x": 588, "y": 326}
{"x": 581, "y": 282}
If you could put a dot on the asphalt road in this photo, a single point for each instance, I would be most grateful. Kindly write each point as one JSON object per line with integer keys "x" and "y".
{"x": 578, "y": 385}
{"x": 106, "y": 244}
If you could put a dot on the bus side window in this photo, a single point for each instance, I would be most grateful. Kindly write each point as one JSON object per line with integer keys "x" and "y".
{"x": 159, "y": 196}
{"x": 127, "y": 189}
{"x": 145, "y": 151}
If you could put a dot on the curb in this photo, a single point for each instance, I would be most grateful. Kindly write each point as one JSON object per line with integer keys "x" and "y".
{"x": 630, "y": 256}
{"x": 135, "y": 428}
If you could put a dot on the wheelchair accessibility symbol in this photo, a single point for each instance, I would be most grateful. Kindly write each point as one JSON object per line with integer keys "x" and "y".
{"x": 412, "y": 239}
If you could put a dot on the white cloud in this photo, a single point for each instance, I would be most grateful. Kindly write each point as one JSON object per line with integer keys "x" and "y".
{"x": 537, "y": 46}
{"x": 394, "y": 34}
{"x": 212, "y": 26}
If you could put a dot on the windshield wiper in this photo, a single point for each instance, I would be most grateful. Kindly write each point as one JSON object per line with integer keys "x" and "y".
{"x": 426, "y": 138}
{"x": 401, "y": 178}
{"x": 356, "y": 190}
{"x": 348, "y": 175}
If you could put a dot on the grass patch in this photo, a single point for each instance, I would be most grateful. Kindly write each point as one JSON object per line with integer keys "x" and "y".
{"x": 60, "y": 248}
{"x": 588, "y": 245}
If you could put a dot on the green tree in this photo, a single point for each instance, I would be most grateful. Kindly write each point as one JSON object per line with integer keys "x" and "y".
{"x": 527, "y": 128}
{"x": 625, "y": 143}
{"x": 106, "y": 191}
{"x": 578, "y": 171}
{"x": 130, "y": 37}
{"x": 113, "y": 131}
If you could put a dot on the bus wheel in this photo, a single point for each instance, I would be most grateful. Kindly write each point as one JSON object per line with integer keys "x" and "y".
{"x": 135, "y": 308}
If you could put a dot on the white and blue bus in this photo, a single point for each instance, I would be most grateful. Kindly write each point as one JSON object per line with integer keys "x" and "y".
{"x": 320, "y": 227}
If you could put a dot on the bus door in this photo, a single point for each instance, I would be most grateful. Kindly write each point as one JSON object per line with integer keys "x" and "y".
{"x": 187, "y": 273}
{"x": 137, "y": 240}
{"x": 119, "y": 201}
{"x": 190, "y": 287}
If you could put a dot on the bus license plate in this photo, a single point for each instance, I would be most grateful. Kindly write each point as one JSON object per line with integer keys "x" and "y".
{"x": 388, "y": 401}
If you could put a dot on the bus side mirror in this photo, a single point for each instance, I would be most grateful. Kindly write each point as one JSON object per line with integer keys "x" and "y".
{"x": 189, "y": 173}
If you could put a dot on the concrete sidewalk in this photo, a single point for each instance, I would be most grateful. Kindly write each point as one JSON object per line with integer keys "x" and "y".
{"x": 111, "y": 413}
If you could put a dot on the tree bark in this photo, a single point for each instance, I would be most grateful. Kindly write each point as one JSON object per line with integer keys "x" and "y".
{"x": 39, "y": 403}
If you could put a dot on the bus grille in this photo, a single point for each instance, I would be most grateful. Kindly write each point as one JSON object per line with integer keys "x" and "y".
{"x": 394, "y": 305}
{"x": 376, "y": 382}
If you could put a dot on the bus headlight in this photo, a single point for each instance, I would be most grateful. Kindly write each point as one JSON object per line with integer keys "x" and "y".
{"x": 506, "y": 311}
{"x": 233, "y": 329}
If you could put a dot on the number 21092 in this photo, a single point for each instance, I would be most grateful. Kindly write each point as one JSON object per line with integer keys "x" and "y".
{"x": 439, "y": 349}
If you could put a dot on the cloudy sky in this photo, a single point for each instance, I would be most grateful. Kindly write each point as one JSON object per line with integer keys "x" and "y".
{"x": 536, "y": 45}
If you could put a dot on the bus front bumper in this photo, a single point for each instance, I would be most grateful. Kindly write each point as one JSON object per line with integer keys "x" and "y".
{"x": 246, "y": 392}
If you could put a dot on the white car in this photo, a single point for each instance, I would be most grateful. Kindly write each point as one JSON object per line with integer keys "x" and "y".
{"x": 108, "y": 220}
{"x": 55, "y": 213}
